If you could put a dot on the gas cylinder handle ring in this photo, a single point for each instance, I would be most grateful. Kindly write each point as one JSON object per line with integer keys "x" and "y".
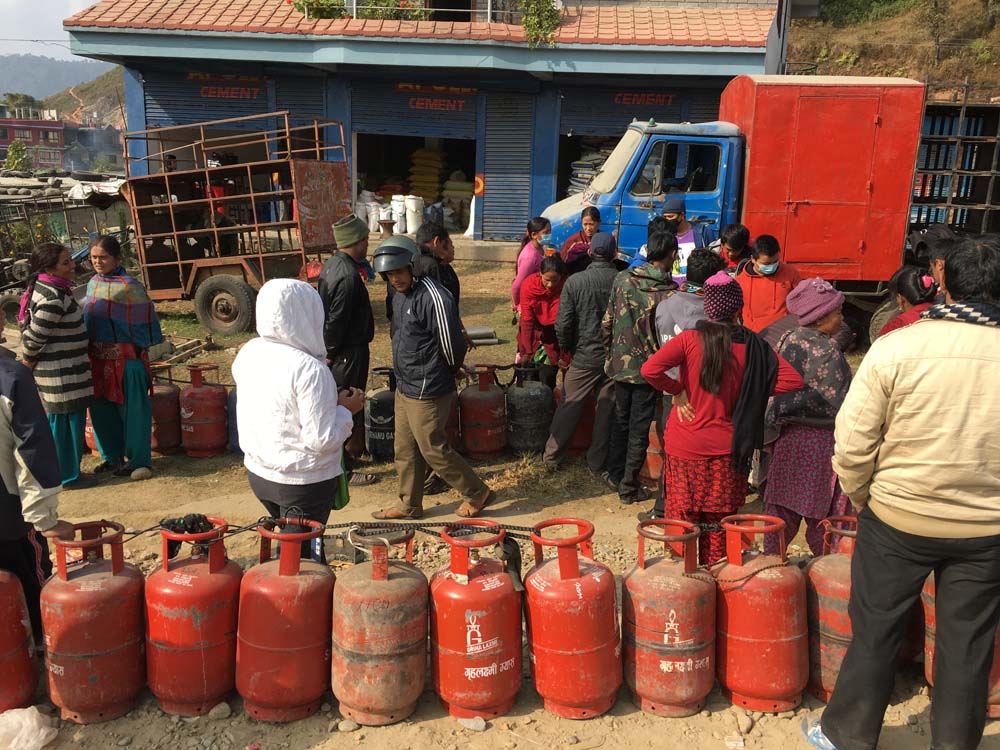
{"x": 771, "y": 525}
{"x": 648, "y": 529}
{"x": 266, "y": 529}
{"x": 363, "y": 541}
{"x": 97, "y": 541}
{"x": 830, "y": 528}
{"x": 586, "y": 529}
{"x": 474, "y": 523}
{"x": 219, "y": 528}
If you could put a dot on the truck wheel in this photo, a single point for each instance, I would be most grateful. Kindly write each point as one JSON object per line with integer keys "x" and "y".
{"x": 20, "y": 270}
{"x": 882, "y": 315}
{"x": 224, "y": 304}
{"x": 10, "y": 305}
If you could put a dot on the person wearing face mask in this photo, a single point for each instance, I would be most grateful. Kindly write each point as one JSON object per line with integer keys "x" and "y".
{"x": 689, "y": 236}
{"x": 536, "y": 335}
{"x": 575, "y": 251}
{"x": 766, "y": 283}
{"x": 536, "y": 236}
{"x": 801, "y": 484}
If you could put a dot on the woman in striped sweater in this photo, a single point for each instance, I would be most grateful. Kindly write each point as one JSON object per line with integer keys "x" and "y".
{"x": 54, "y": 346}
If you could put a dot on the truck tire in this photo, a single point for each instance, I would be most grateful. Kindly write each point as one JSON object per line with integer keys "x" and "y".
{"x": 224, "y": 304}
{"x": 882, "y": 315}
{"x": 20, "y": 270}
{"x": 10, "y": 305}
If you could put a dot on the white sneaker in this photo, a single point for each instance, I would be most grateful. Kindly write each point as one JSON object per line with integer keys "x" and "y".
{"x": 813, "y": 733}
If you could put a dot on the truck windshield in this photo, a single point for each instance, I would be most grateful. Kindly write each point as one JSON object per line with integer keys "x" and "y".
{"x": 609, "y": 175}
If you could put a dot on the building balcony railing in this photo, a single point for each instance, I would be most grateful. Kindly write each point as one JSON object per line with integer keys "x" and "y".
{"x": 478, "y": 11}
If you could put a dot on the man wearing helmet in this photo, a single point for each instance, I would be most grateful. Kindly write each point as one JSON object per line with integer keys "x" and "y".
{"x": 428, "y": 349}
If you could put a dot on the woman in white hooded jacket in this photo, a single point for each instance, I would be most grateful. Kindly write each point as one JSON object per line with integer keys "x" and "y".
{"x": 292, "y": 421}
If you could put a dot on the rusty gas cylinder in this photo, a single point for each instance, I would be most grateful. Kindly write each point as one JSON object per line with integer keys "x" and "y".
{"x": 483, "y": 415}
{"x": 17, "y": 649}
{"x": 379, "y": 634}
{"x": 572, "y": 618}
{"x": 283, "y": 635}
{"x": 529, "y": 411}
{"x": 927, "y": 597}
{"x": 828, "y": 589}
{"x": 668, "y": 623}
{"x": 92, "y": 617}
{"x": 475, "y": 626}
{"x": 763, "y": 646}
{"x": 651, "y": 472}
{"x": 204, "y": 429}
{"x": 191, "y": 607}
{"x": 166, "y": 403}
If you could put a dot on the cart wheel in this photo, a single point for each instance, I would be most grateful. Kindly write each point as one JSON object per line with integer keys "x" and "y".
{"x": 882, "y": 315}
{"x": 10, "y": 305}
{"x": 20, "y": 270}
{"x": 224, "y": 304}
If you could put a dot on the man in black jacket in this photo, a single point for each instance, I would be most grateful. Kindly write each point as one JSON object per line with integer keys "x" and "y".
{"x": 428, "y": 349}
{"x": 349, "y": 326}
{"x": 435, "y": 253}
{"x": 582, "y": 305}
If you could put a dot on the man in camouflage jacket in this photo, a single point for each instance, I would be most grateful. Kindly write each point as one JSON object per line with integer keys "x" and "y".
{"x": 630, "y": 339}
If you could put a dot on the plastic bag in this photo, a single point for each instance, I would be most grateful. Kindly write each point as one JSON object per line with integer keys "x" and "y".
{"x": 26, "y": 729}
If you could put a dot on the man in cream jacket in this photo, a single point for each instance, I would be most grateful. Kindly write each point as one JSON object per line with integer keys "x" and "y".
{"x": 918, "y": 452}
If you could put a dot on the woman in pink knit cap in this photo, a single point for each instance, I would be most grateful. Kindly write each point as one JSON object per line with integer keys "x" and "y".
{"x": 725, "y": 375}
{"x": 800, "y": 482}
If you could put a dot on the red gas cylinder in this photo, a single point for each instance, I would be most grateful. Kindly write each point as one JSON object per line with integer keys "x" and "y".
{"x": 88, "y": 437}
{"x": 828, "y": 589}
{"x": 204, "y": 429}
{"x": 475, "y": 627}
{"x": 573, "y": 625}
{"x": 166, "y": 402}
{"x": 17, "y": 666}
{"x": 453, "y": 428}
{"x": 483, "y": 416}
{"x": 191, "y": 609}
{"x": 763, "y": 654}
{"x": 379, "y": 635}
{"x": 583, "y": 436}
{"x": 651, "y": 472}
{"x": 668, "y": 623}
{"x": 930, "y": 633}
{"x": 283, "y": 638}
{"x": 92, "y": 619}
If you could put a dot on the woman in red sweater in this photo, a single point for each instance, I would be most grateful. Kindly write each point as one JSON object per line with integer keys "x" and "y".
{"x": 726, "y": 375}
{"x": 914, "y": 290}
{"x": 536, "y": 333}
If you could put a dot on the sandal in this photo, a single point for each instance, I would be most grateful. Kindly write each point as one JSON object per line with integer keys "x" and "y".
{"x": 358, "y": 479}
{"x": 471, "y": 510}
{"x": 106, "y": 466}
{"x": 395, "y": 514}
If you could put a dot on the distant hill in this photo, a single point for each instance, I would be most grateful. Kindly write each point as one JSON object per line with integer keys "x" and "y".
{"x": 44, "y": 76}
{"x": 100, "y": 99}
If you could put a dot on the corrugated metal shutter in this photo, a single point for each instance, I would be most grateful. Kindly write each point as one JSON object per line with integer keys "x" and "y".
{"x": 703, "y": 106}
{"x": 181, "y": 100}
{"x": 383, "y": 110}
{"x": 609, "y": 111}
{"x": 305, "y": 97}
{"x": 507, "y": 196}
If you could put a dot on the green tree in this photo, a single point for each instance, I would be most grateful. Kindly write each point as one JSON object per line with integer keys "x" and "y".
{"x": 104, "y": 164}
{"x": 18, "y": 157}
{"x": 15, "y": 100}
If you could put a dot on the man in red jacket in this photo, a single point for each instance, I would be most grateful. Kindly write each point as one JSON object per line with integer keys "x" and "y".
{"x": 766, "y": 283}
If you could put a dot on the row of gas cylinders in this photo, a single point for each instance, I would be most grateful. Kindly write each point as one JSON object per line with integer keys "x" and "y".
{"x": 487, "y": 419}
{"x": 285, "y": 631}
{"x": 194, "y": 419}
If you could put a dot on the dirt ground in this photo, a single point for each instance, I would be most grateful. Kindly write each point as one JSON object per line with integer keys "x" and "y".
{"x": 526, "y": 495}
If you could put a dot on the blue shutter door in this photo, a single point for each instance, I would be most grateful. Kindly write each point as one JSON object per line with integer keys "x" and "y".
{"x": 507, "y": 195}
{"x": 184, "y": 99}
{"x": 383, "y": 110}
{"x": 608, "y": 112}
{"x": 305, "y": 97}
{"x": 703, "y": 106}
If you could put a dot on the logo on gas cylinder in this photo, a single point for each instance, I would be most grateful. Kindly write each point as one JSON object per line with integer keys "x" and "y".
{"x": 672, "y": 629}
{"x": 474, "y": 643}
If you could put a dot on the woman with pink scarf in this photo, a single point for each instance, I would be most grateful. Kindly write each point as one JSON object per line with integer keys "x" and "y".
{"x": 54, "y": 346}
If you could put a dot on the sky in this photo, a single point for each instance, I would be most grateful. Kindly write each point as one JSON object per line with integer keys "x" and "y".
{"x": 37, "y": 19}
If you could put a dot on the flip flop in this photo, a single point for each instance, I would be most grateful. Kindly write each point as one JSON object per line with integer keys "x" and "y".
{"x": 359, "y": 479}
{"x": 471, "y": 510}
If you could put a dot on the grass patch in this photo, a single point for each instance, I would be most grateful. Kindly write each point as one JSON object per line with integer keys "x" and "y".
{"x": 848, "y": 12}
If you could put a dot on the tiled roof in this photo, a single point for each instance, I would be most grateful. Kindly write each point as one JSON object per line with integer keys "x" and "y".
{"x": 731, "y": 26}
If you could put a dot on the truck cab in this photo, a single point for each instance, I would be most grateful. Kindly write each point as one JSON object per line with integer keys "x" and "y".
{"x": 652, "y": 163}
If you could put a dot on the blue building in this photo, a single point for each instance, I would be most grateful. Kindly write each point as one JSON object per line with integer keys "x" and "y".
{"x": 523, "y": 124}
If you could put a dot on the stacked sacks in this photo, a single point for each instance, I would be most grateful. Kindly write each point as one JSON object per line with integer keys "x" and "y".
{"x": 426, "y": 172}
{"x": 457, "y": 198}
{"x": 595, "y": 153}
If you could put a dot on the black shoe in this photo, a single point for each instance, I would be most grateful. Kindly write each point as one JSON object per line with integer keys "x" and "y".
{"x": 104, "y": 467}
{"x": 640, "y": 495}
{"x": 649, "y": 515}
{"x": 435, "y": 485}
{"x": 82, "y": 482}
{"x": 125, "y": 470}
{"x": 606, "y": 476}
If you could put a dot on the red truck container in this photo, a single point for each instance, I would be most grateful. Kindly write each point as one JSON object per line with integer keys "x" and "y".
{"x": 829, "y": 168}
